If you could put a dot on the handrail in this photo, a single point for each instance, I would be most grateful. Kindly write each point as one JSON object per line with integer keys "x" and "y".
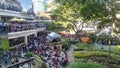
{"x": 22, "y": 62}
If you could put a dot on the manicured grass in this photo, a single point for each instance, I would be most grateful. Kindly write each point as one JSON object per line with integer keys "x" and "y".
{"x": 85, "y": 65}
{"x": 114, "y": 49}
{"x": 92, "y": 47}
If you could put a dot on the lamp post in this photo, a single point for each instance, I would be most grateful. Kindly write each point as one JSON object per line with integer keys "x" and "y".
{"x": 109, "y": 42}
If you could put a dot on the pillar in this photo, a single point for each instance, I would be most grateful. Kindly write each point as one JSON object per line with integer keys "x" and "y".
{"x": 26, "y": 40}
{"x": 35, "y": 34}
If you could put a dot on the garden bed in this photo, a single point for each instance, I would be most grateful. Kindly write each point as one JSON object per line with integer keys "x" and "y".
{"x": 99, "y": 57}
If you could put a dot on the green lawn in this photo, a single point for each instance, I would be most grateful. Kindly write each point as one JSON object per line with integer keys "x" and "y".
{"x": 92, "y": 47}
{"x": 85, "y": 65}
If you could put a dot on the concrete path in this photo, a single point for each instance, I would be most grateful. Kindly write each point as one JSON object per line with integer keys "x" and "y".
{"x": 69, "y": 54}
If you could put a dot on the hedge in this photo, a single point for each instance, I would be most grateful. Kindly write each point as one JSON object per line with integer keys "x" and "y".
{"x": 84, "y": 54}
{"x": 100, "y": 57}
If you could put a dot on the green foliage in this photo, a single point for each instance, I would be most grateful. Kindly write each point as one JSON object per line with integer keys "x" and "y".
{"x": 69, "y": 11}
{"x": 92, "y": 47}
{"x": 38, "y": 61}
{"x": 65, "y": 44}
{"x": 117, "y": 49}
{"x": 65, "y": 12}
{"x": 106, "y": 38}
{"x": 76, "y": 11}
{"x": 58, "y": 26}
{"x": 82, "y": 46}
{"x": 4, "y": 44}
{"x": 74, "y": 42}
{"x": 114, "y": 49}
{"x": 79, "y": 47}
{"x": 92, "y": 10}
{"x": 85, "y": 65}
{"x": 92, "y": 36}
{"x": 86, "y": 54}
{"x": 29, "y": 54}
{"x": 99, "y": 57}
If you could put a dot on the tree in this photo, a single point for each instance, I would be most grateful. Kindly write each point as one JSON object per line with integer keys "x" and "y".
{"x": 79, "y": 11}
{"x": 104, "y": 11}
{"x": 69, "y": 11}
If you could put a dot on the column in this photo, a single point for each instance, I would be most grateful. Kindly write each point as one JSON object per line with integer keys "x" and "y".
{"x": 26, "y": 40}
{"x": 35, "y": 35}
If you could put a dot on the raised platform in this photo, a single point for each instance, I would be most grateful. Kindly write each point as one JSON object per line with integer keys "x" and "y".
{"x": 21, "y": 33}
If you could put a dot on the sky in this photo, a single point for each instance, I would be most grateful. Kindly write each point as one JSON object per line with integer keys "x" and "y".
{"x": 25, "y": 3}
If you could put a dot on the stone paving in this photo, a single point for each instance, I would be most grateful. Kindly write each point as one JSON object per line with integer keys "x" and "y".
{"x": 69, "y": 54}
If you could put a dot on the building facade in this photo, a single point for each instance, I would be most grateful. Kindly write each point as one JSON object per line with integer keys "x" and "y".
{"x": 12, "y": 8}
{"x": 39, "y": 5}
{"x": 14, "y": 34}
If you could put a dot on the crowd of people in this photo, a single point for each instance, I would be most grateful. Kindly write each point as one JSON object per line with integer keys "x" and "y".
{"x": 52, "y": 55}
{"x": 8, "y": 6}
{"x": 19, "y": 26}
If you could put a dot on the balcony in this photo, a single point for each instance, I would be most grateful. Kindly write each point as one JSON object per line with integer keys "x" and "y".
{"x": 15, "y": 14}
{"x": 24, "y": 33}
{"x": 15, "y": 30}
{"x": 13, "y": 11}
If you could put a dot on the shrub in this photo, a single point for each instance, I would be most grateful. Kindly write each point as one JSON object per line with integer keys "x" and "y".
{"x": 104, "y": 60}
{"x": 85, "y": 65}
{"x": 29, "y": 54}
{"x": 92, "y": 37}
{"x": 92, "y": 47}
{"x": 100, "y": 57}
{"x": 66, "y": 44}
{"x": 104, "y": 38}
{"x": 82, "y": 46}
{"x": 57, "y": 26}
{"x": 117, "y": 49}
{"x": 73, "y": 42}
{"x": 38, "y": 62}
{"x": 114, "y": 49}
{"x": 86, "y": 54}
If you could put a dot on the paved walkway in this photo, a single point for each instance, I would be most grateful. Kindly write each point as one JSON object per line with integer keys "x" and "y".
{"x": 69, "y": 54}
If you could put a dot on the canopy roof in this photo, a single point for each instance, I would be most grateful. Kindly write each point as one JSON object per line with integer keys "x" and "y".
{"x": 17, "y": 19}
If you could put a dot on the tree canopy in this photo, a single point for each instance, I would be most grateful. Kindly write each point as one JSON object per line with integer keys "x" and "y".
{"x": 79, "y": 11}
